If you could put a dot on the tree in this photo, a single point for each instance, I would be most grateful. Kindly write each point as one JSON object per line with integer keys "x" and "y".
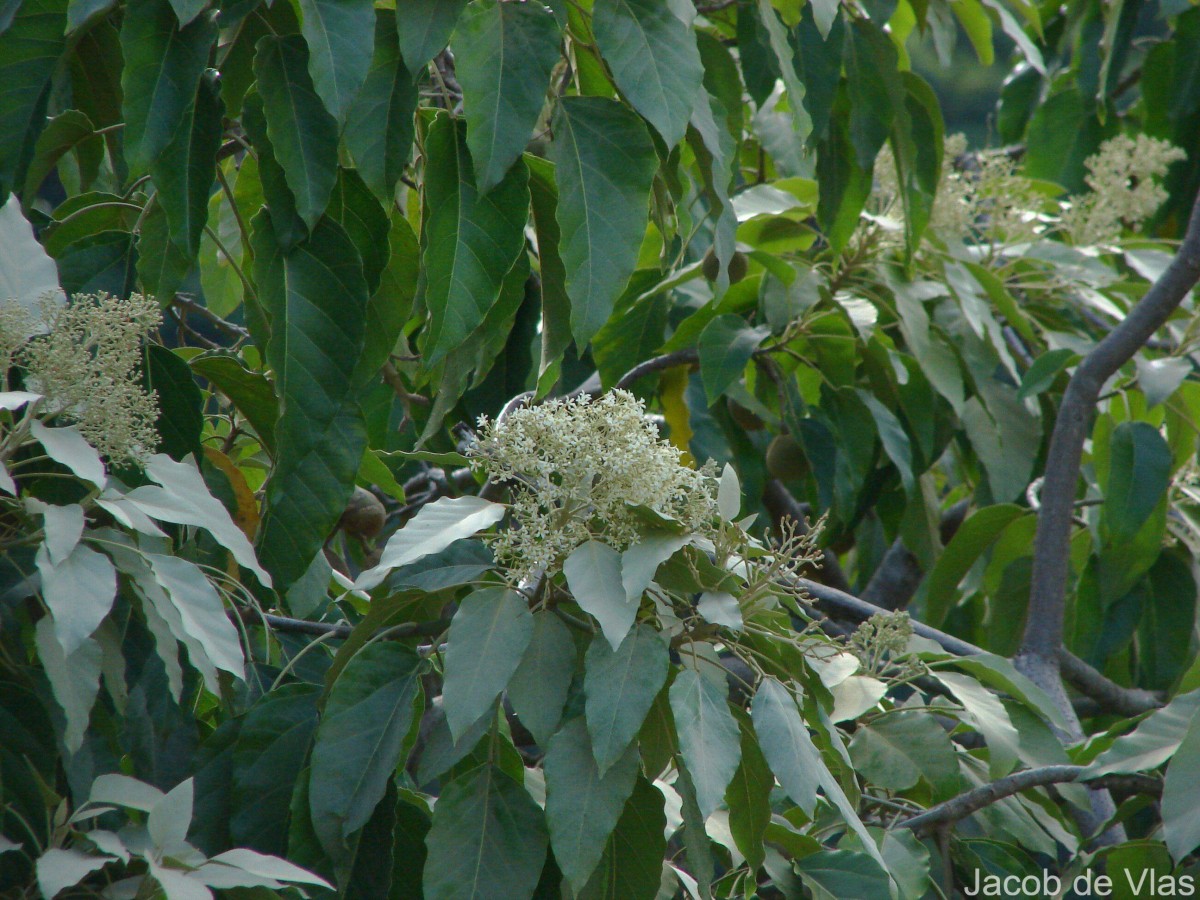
{"x": 452, "y": 303}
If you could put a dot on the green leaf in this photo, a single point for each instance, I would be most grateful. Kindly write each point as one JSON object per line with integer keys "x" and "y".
{"x": 440, "y": 750}
{"x": 844, "y": 874}
{"x": 379, "y": 126}
{"x": 726, "y": 345}
{"x": 556, "y": 305}
{"x": 749, "y": 800}
{"x": 583, "y": 805}
{"x": 845, "y": 183}
{"x": 708, "y": 735}
{"x": 488, "y": 839}
{"x": 896, "y": 750}
{"x": 425, "y": 27}
{"x": 973, "y": 537}
{"x": 163, "y": 65}
{"x": 620, "y": 686}
{"x": 1039, "y": 376}
{"x": 777, "y": 38}
{"x": 183, "y": 173}
{"x": 371, "y": 711}
{"x": 604, "y": 164}
{"x": 1139, "y": 473}
{"x": 161, "y": 265}
{"x": 271, "y": 748}
{"x": 917, "y": 146}
{"x": 795, "y": 759}
{"x": 873, "y": 84}
{"x": 1155, "y": 739}
{"x": 895, "y": 439}
{"x": 1063, "y": 132}
{"x": 990, "y": 717}
{"x": 504, "y": 55}
{"x": 538, "y": 688}
{"x": 74, "y": 678}
{"x": 354, "y": 207}
{"x": 249, "y": 391}
{"x": 631, "y": 868}
{"x": 654, "y": 61}
{"x": 391, "y": 303}
{"x": 340, "y": 35}
{"x": 786, "y": 744}
{"x": 61, "y": 135}
{"x": 593, "y": 573}
{"x": 304, "y": 136}
{"x": 79, "y": 592}
{"x": 471, "y": 241}
{"x": 281, "y": 204}
{"x": 316, "y": 299}
{"x": 29, "y": 51}
{"x": 180, "y": 404}
{"x": 435, "y": 527}
{"x": 1181, "y": 794}
{"x": 488, "y": 636}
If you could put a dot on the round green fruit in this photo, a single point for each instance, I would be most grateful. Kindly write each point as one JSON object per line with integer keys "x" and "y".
{"x": 785, "y": 458}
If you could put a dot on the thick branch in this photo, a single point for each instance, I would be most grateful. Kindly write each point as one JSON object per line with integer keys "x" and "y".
{"x": 1051, "y": 549}
{"x": 899, "y": 574}
{"x": 302, "y": 626}
{"x": 1110, "y": 696}
{"x": 972, "y": 801}
{"x": 657, "y": 364}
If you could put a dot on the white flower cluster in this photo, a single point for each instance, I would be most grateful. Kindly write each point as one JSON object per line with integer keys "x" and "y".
{"x": 981, "y": 198}
{"x": 86, "y": 368}
{"x": 582, "y": 468}
{"x": 1123, "y": 176}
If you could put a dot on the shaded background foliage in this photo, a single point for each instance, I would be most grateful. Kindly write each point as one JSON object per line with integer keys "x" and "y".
{"x": 370, "y": 223}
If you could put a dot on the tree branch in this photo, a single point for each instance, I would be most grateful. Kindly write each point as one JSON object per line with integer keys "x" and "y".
{"x": 1039, "y": 654}
{"x": 899, "y": 575}
{"x": 301, "y": 626}
{"x": 972, "y": 801}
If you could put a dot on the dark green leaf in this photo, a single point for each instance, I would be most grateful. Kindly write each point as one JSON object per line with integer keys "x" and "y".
{"x": 1181, "y": 794}
{"x": 162, "y": 266}
{"x": 391, "y": 303}
{"x": 365, "y": 727}
{"x": 818, "y": 59}
{"x": 1039, "y": 376}
{"x": 29, "y": 51}
{"x": 631, "y": 868}
{"x": 845, "y": 184}
{"x": 61, "y": 135}
{"x": 654, "y": 60}
{"x": 973, "y": 537}
{"x": 374, "y": 852}
{"x": 408, "y": 854}
{"x": 471, "y": 241}
{"x": 1063, "y": 132}
{"x": 304, "y": 136}
{"x": 425, "y": 27}
{"x": 103, "y": 261}
{"x": 270, "y": 750}
{"x": 316, "y": 300}
{"x": 873, "y": 84}
{"x": 556, "y": 305}
{"x": 180, "y": 404}
{"x": 504, "y": 54}
{"x": 250, "y": 392}
{"x": 708, "y": 735}
{"x": 604, "y": 164}
{"x": 163, "y": 66}
{"x": 1139, "y": 473}
{"x": 583, "y": 805}
{"x": 488, "y": 839}
{"x": 354, "y": 207}
{"x": 441, "y": 751}
{"x": 281, "y": 203}
{"x": 844, "y": 874}
{"x": 379, "y": 128}
{"x": 620, "y": 686}
{"x": 894, "y": 438}
{"x": 488, "y": 636}
{"x": 917, "y": 144}
{"x": 183, "y": 173}
{"x": 726, "y": 345}
{"x": 538, "y": 689}
{"x": 340, "y": 36}
{"x": 748, "y": 798}
{"x": 187, "y": 10}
